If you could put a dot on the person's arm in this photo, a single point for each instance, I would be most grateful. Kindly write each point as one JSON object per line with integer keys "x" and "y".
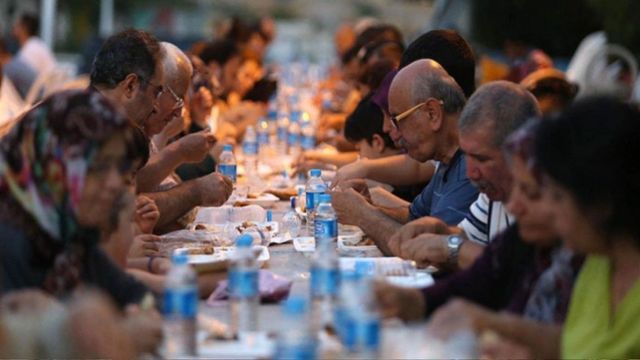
{"x": 469, "y": 252}
{"x": 399, "y": 214}
{"x": 353, "y": 209}
{"x": 159, "y": 166}
{"x": 188, "y": 149}
{"x": 211, "y": 190}
{"x": 383, "y": 197}
{"x": 542, "y": 339}
{"x": 338, "y": 159}
{"x": 397, "y": 170}
{"x": 175, "y": 202}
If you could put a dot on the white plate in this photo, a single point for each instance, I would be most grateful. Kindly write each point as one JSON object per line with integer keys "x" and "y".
{"x": 419, "y": 280}
{"x": 221, "y": 257}
{"x": 346, "y": 249}
{"x": 304, "y": 244}
{"x": 270, "y": 226}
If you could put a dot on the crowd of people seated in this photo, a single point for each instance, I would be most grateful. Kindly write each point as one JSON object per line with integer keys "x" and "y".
{"x": 520, "y": 196}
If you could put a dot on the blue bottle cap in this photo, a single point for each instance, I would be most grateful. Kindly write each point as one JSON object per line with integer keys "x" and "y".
{"x": 244, "y": 241}
{"x": 325, "y": 198}
{"x": 315, "y": 172}
{"x": 227, "y": 147}
{"x": 179, "y": 258}
{"x": 294, "y": 306}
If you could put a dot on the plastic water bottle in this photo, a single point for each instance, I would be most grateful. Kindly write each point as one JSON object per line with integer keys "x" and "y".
{"x": 314, "y": 188}
{"x": 295, "y": 340}
{"x": 180, "y": 309}
{"x": 282, "y": 133}
{"x": 244, "y": 297}
{"x": 250, "y": 150}
{"x": 325, "y": 275}
{"x": 291, "y": 222}
{"x": 263, "y": 133}
{"x": 362, "y": 323}
{"x": 227, "y": 165}
{"x": 294, "y": 135}
{"x": 347, "y": 299}
{"x": 308, "y": 141}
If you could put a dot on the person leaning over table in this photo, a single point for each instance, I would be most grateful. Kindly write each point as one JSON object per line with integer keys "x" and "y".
{"x": 491, "y": 114}
{"x": 525, "y": 272}
{"x": 61, "y": 167}
{"x": 128, "y": 70}
{"x": 450, "y": 50}
{"x": 595, "y": 213}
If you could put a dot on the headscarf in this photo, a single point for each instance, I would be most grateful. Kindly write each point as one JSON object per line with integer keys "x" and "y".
{"x": 44, "y": 161}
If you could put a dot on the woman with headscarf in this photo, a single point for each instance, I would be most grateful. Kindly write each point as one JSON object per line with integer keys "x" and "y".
{"x": 61, "y": 167}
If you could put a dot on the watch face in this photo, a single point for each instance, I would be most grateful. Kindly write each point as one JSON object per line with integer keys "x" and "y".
{"x": 455, "y": 240}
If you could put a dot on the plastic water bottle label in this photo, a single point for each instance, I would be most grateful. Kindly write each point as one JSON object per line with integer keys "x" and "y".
{"x": 243, "y": 283}
{"x": 324, "y": 281}
{"x": 294, "y": 139}
{"x": 282, "y": 133}
{"x": 308, "y": 142}
{"x": 250, "y": 148}
{"x": 325, "y": 228}
{"x": 263, "y": 138}
{"x": 181, "y": 302}
{"x": 305, "y": 350}
{"x": 313, "y": 199}
{"x": 228, "y": 170}
{"x": 361, "y": 334}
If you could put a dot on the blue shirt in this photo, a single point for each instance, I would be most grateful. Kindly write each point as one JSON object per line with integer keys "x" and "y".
{"x": 448, "y": 194}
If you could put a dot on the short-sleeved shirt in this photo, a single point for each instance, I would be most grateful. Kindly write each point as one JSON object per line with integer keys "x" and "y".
{"x": 592, "y": 329}
{"x": 485, "y": 219}
{"x": 448, "y": 194}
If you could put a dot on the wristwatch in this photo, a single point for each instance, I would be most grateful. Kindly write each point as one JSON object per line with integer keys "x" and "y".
{"x": 453, "y": 244}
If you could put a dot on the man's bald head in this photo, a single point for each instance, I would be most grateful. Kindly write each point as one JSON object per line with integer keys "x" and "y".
{"x": 424, "y": 79}
{"x": 501, "y": 106}
{"x": 177, "y": 68}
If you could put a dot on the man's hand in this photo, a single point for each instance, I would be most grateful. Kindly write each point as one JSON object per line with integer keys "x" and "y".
{"x": 404, "y": 303}
{"x": 459, "y": 314}
{"x": 145, "y": 245}
{"x": 425, "y": 225}
{"x": 349, "y": 206}
{"x": 194, "y": 147}
{"x": 213, "y": 189}
{"x": 355, "y": 170}
{"x": 425, "y": 249}
{"x": 147, "y": 214}
{"x": 359, "y": 185}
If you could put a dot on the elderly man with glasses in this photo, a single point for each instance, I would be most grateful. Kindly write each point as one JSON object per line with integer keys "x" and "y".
{"x": 425, "y": 103}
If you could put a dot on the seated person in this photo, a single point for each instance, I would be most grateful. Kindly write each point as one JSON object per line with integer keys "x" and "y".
{"x": 136, "y": 87}
{"x": 364, "y": 129}
{"x": 525, "y": 272}
{"x": 551, "y": 88}
{"x": 491, "y": 114}
{"x": 595, "y": 214}
{"x": 428, "y": 103}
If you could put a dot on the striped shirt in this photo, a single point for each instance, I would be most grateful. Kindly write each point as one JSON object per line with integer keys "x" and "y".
{"x": 485, "y": 220}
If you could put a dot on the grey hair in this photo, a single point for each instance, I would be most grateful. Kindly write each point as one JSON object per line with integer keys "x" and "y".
{"x": 439, "y": 85}
{"x": 503, "y": 105}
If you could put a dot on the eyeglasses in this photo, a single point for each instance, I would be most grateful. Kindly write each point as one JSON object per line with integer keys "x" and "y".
{"x": 179, "y": 101}
{"x": 395, "y": 119}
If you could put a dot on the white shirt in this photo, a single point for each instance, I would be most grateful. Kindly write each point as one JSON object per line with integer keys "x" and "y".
{"x": 37, "y": 55}
{"x": 485, "y": 220}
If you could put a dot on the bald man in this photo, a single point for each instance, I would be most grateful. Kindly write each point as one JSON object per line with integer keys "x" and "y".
{"x": 174, "y": 199}
{"x": 493, "y": 112}
{"x": 425, "y": 103}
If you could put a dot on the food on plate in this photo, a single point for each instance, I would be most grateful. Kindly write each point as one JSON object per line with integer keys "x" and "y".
{"x": 200, "y": 227}
{"x": 201, "y": 249}
{"x": 282, "y": 194}
{"x": 365, "y": 241}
